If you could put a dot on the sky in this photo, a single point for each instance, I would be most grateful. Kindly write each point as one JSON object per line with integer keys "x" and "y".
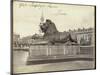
{"x": 26, "y": 16}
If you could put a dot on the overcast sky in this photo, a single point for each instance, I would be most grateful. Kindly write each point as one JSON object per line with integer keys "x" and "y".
{"x": 27, "y": 16}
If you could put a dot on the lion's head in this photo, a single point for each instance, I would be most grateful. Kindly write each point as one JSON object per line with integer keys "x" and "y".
{"x": 44, "y": 27}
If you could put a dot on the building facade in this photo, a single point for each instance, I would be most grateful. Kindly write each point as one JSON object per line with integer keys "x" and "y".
{"x": 16, "y": 38}
{"x": 85, "y": 36}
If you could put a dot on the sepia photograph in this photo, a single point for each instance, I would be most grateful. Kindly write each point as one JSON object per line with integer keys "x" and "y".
{"x": 52, "y": 37}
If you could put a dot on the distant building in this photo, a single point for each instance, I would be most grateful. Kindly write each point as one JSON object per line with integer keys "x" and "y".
{"x": 25, "y": 40}
{"x": 16, "y": 38}
{"x": 37, "y": 36}
{"x": 28, "y": 40}
{"x": 85, "y": 36}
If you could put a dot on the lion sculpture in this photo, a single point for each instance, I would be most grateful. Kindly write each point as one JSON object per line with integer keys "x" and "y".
{"x": 54, "y": 36}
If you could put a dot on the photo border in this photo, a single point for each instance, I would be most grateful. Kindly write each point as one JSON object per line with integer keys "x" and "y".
{"x": 11, "y": 39}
